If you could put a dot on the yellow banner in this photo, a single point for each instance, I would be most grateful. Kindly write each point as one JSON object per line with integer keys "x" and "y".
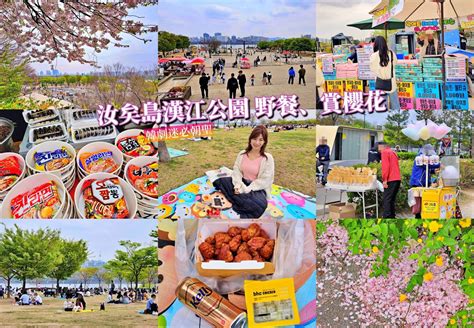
{"x": 335, "y": 86}
{"x": 354, "y": 85}
{"x": 405, "y": 89}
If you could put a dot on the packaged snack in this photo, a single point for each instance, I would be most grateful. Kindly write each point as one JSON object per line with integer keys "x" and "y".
{"x": 271, "y": 303}
{"x": 9, "y": 171}
{"x": 136, "y": 146}
{"x": 104, "y": 199}
{"x": 42, "y": 202}
{"x": 145, "y": 178}
{"x": 52, "y": 160}
{"x": 101, "y": 161}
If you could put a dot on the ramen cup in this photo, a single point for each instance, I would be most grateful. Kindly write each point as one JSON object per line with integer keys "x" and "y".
{"x": 4, "y": 192}
{"x": 95, "y": 147}
{"x": 132, "y": 133}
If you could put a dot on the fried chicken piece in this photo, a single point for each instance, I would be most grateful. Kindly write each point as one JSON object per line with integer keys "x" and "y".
{"x": 245, "y": 235}
{"x": 256, "y": 243}
{"x": 211, "y": 240}
{"x": 267, "y": 251}
{"x": 263, "y": 234}
{"x": 254, "y": 230}
{"x": 234, "y": 231}
{"x": 207, "y": 250}
{"x": 243, "y": 256}
{"x": 243, "y": 248}
{"x": 235, "y": 243}
{"x": 225, "y": 254}
{"x": 222, "y": 238}
{"x": 257, "y": 257}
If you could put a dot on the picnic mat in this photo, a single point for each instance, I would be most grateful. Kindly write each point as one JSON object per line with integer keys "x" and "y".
{"x": 176, "y": 152}
{"x": 186, "y": 202}
{"x": 172, "y": 313}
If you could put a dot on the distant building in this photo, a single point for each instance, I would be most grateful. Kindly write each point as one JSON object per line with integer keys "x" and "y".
{"x": 308, "y": 36}
{"x": 206, "y": 37}
{"x": 217, "y": 34}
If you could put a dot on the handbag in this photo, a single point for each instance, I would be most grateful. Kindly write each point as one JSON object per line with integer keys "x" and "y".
{"x": 385, "y": 85}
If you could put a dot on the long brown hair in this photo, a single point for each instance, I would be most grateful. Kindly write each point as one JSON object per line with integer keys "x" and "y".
{"x": 256, "y": 132}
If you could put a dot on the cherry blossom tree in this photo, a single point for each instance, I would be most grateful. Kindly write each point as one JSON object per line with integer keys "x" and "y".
{"x": 46, "y": 30}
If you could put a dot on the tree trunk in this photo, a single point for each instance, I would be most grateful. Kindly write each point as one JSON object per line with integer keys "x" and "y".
{"x": 57, "y": 284}
{"x": 24, "y": 283}
{"x": 136, "y": 282}
{"x": 163, "y": 153}
{"x": 8, "y": 286}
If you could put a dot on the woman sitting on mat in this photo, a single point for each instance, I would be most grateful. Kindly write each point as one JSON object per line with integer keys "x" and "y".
{"x": 252, "y": 177}
{"x": 80, "y": 303}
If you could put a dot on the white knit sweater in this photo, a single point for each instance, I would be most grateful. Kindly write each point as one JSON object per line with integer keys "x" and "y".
{"x": 382, "y": 72}
{"x": 264, "y": 179}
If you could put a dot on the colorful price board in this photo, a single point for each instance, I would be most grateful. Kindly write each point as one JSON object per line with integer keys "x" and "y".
{"x": 427, "y": 103}
{"x": 405, "y": 89}
{"x": 427, "y": 90}
{"x": 407, "y": 103}
{"x": 354, "y": 85}
{"x": 456, "y": 95}
{"x": 335, "y": 86}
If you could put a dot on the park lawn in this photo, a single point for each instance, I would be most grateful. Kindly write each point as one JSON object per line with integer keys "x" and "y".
{"x": 51, "y": 314}
{"x": 293, "y": 151}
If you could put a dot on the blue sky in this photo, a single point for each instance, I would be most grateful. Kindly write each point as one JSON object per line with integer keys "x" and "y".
{"x": 102, "y": 236}
{"x": 138, "y": 55}
{"x": 271, "y": 18}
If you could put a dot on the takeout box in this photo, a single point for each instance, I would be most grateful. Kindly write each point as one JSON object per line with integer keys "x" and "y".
{"x": 215, "y": 268}
{"x": 342, "y": 210}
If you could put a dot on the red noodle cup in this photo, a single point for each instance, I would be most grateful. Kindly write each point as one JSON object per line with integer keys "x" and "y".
{"x": 96, "y": 147}
{"x": 131, "y": 133}
{"x": 28, "y": 184}
{"x": 21, "y": 160}
{"x": 141, "y": 161}
{"x": 127, "y": 189}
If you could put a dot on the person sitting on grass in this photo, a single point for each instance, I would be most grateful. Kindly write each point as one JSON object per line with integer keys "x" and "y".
{"x": 24, "y": 298}
{"x": 110, "y": 298}
{"x": 125, "y": 299}
{"x": 151, "y": 306}
{"x": 37, "y": 300}
{"x": 68, "y": 305}
{"x": 80, "y": 303}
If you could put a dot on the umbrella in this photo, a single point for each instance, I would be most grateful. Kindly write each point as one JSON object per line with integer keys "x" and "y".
{"x": 413, "y": 10}
{"x": 163, "y": 60}
{"x": 198, "y": 60}
{"x": 245, "y": 59}
{"x": 391, "y": 24}
{"x": 178, "y": 59}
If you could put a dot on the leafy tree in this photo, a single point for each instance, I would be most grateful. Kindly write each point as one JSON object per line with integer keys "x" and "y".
{"x": 86, "y": 274}
{"x": 301, "y": 44}
{"x": 182, "y": 42}
{"x": 13, "y": 75}
{"x": 166, "y": 42}
{"x": 116, "y": 269}
{"x": 136, "y": 259}
{"x": 396, "y": 121}
{"x": 74, "y": 254}
{"x": 30, "y": 254}
{"x": 101, "y": 275}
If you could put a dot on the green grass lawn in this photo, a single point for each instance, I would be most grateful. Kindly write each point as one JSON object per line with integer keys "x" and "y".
{"x": 293, "y": 151}
{"x": 51, "y": 314}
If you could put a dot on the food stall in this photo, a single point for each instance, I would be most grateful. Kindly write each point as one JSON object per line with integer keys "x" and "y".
{"x": 70, "y": 167}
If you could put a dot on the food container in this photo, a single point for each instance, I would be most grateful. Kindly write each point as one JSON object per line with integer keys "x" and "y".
{"x": 30, "y": 183}
{"x": 6, "y": 132}
{"x": 48, "y": 133}
{"x": 144, "y": 201}
{"x": 132, "y": 133}
{"x": 36, "y": 116}
{"x": 97, "y": 147}
{"x": 92, "y": 132}
{"x": 215, "y": 268}
{"x": 3, "y": 193}
{"x": 83, "y": 115}
{"x": 127, "y": 189}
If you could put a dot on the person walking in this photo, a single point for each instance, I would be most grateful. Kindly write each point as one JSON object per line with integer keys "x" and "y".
{"x": 291, "y": 75}
{"x": 242, "y": 80}
{"x": 269, "y": 77}
{"x": 204, "y": 84}
{"x": 391, "y": 179}
{"x": 252, "y": 80}
{"x": 265, "y": 78}
{"x": 301, "y": 75}
{"x": 232, "y": 86}
{"x": 382, "y": 64}
{"x": 223, "y": 78}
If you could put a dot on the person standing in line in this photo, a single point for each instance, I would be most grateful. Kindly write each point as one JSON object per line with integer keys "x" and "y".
{"x": 232, "y": 86}
{"x": 204, "y": 84}
{"x": 391, "y": 179}
{"x": 291, "y": 75}
{"x": 242, "y": 80}
{"x": 301, "y": 75}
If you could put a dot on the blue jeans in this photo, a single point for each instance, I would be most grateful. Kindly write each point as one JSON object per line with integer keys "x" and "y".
{"x": 394, "y": 102}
